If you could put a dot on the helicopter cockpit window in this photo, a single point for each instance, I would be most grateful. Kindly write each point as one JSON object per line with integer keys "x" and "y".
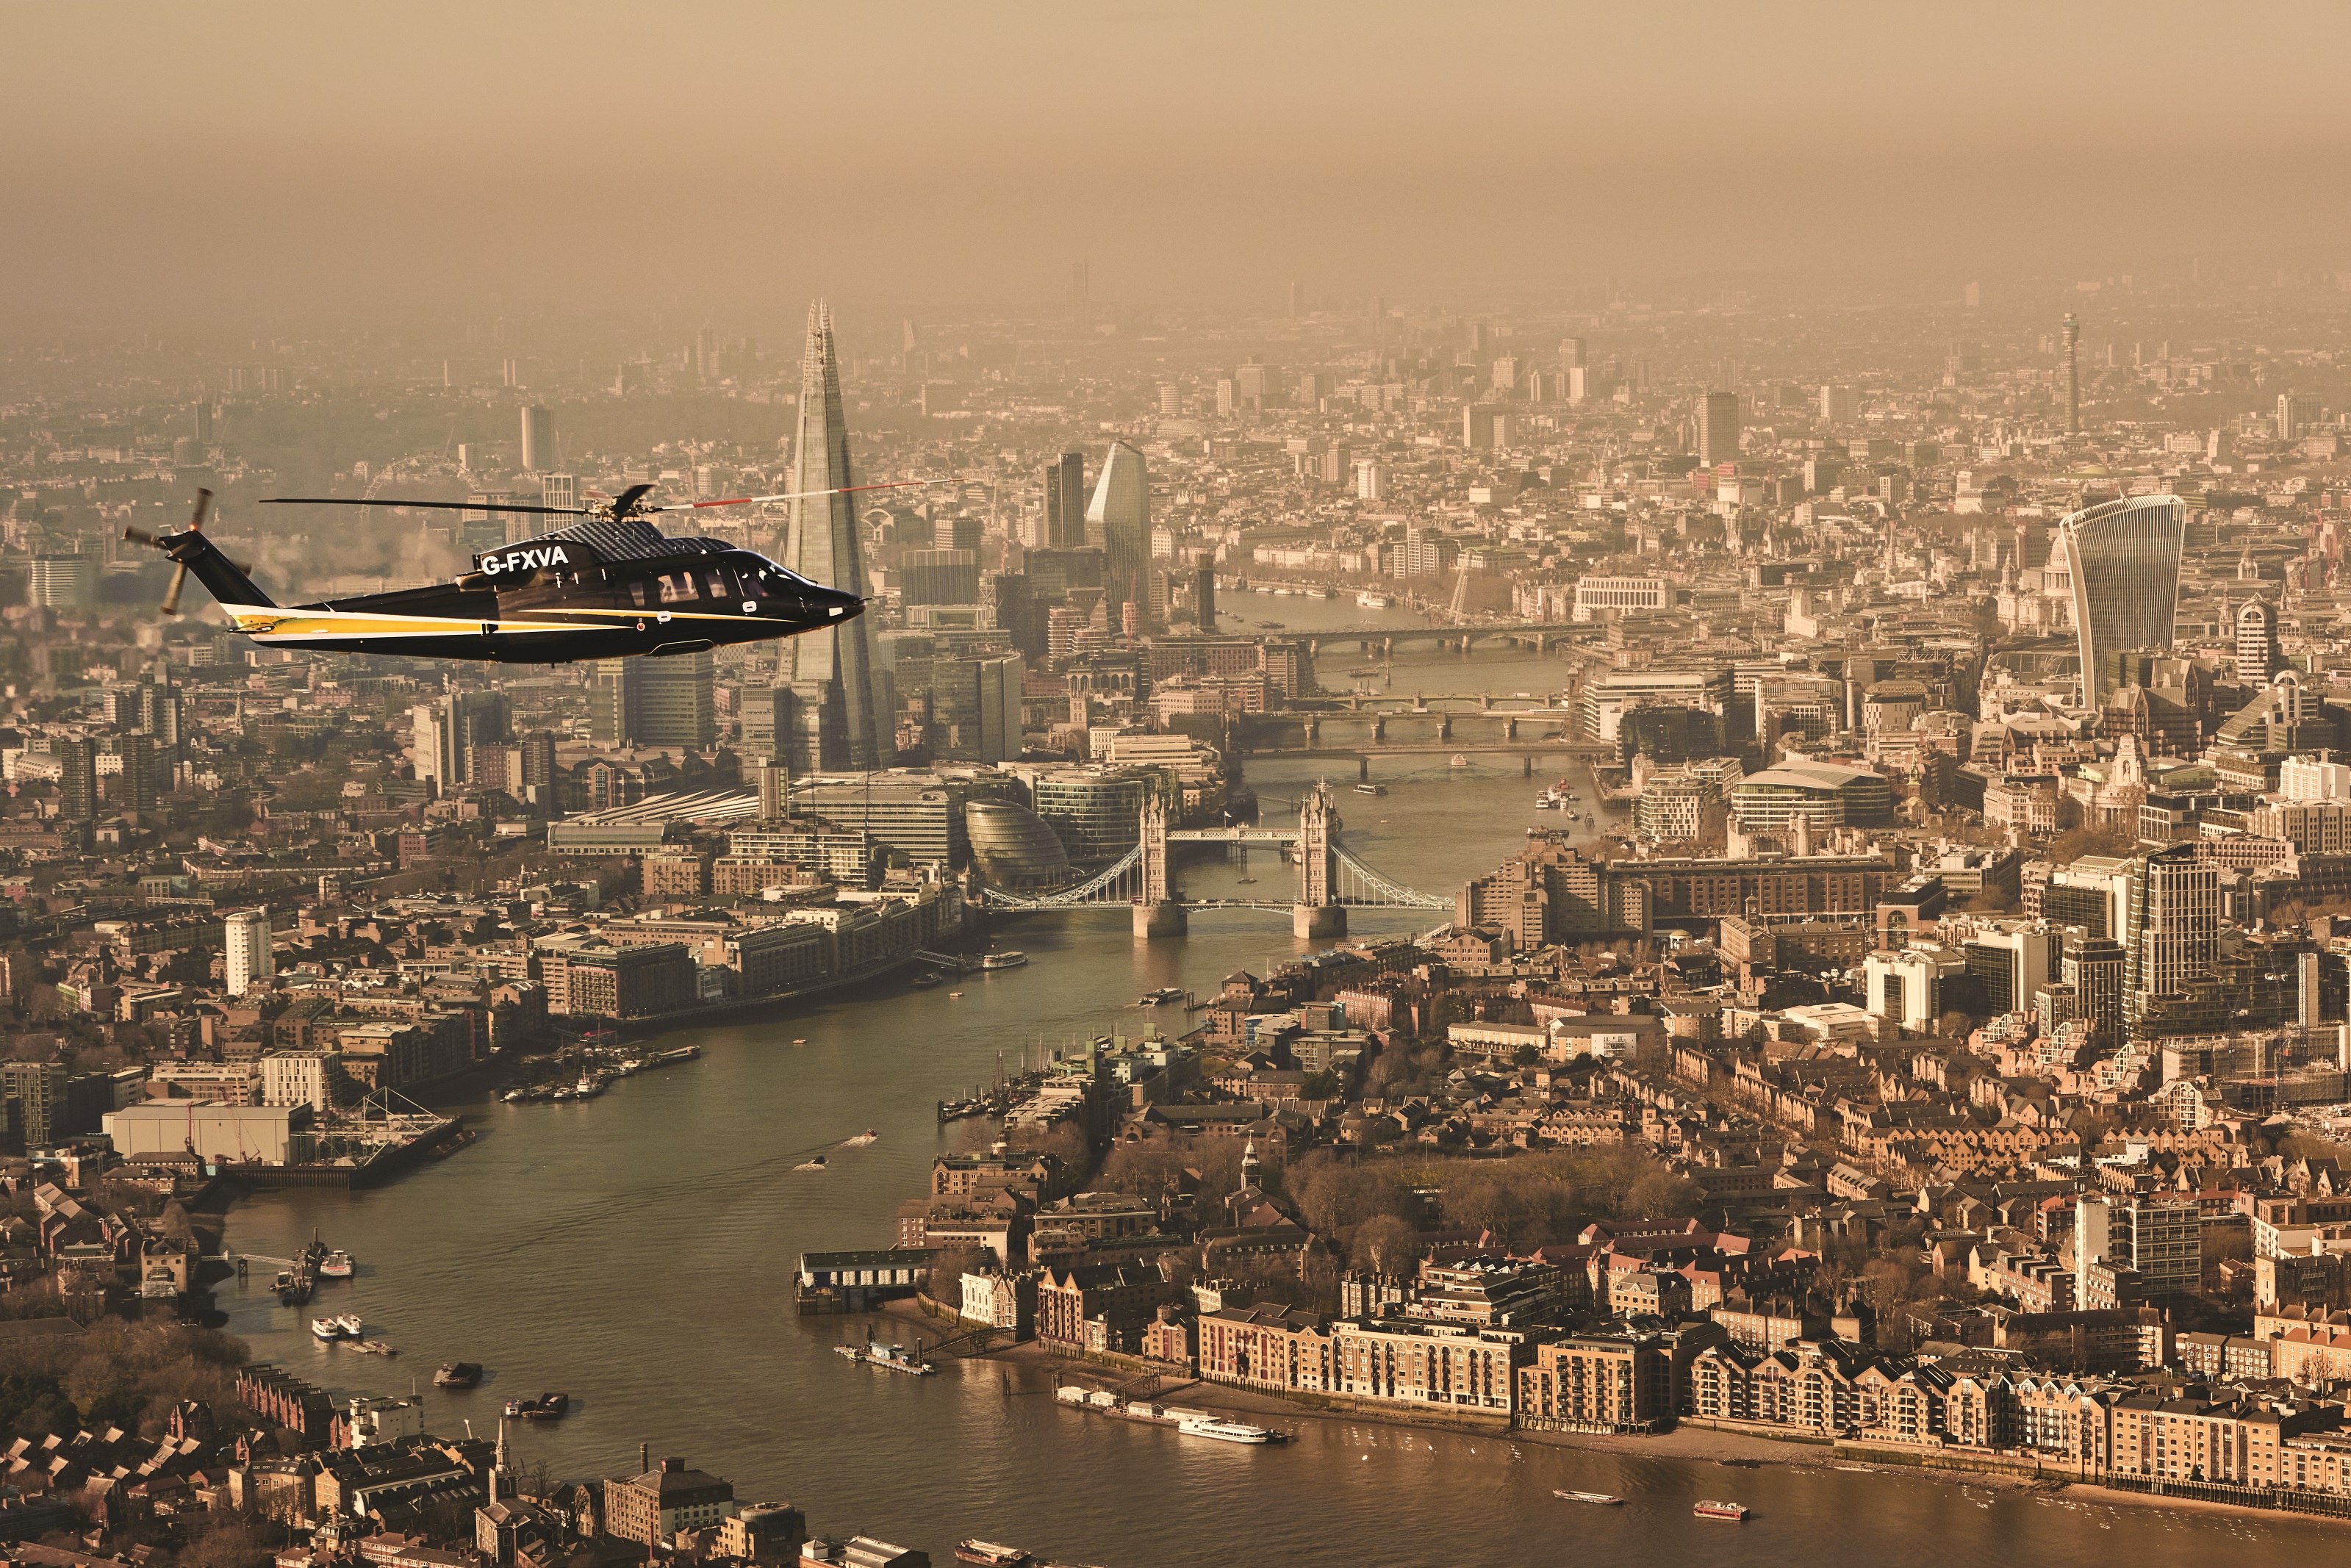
{"x": 677, "y": 586}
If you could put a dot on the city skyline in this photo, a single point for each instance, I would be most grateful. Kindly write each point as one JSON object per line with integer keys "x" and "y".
{"x": 1312, "y": 784}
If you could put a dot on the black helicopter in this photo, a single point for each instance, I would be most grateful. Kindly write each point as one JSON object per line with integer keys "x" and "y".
{"x": 607, "y": 587}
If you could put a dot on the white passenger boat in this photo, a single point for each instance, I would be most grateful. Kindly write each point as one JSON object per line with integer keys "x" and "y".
{"x": 1223, "y": 1431}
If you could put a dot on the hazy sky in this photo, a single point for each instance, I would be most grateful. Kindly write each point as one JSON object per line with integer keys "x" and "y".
{"x": 268, "y": 163}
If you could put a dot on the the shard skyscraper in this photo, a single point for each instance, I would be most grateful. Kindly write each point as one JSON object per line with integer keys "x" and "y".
{"x": 841, "y": 719}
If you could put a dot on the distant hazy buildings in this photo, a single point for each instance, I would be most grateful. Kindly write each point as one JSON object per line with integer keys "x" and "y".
{"x": 2072, "y": 375}
{"x": 1717, "y": 428}
{"x": 2124, "y": 560}
{"x": 538, "y": 439}
{"x": 839, "y": 719}
{"x": 1065, "y": 502}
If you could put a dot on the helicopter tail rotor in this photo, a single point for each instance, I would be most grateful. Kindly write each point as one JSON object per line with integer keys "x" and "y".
{"x": 191, "y": 548}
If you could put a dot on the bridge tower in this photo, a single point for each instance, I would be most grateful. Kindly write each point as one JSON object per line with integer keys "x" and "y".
{"x": 1156, "y": 912}
{"x": 1318, "y": 912}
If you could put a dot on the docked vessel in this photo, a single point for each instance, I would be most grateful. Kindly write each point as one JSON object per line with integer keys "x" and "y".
{"x": 889, "y": 1357}
{"x": 989, "y": 1555}
{"x": 1222, "y": 1431}
{"x": 546, "y": 1407}
{"x": 927, "y": 979}
{"x": 1007, "y": 960}
{"x": 588, "y": 1088}
{"x": 1550, "y": 801}
{"x": 1605, "y": 1500}
{"x": 1371, "y": 600}
{"x": 1730, "y": 1510}
{"x": 328, "y": 1329}
{"x": 338, "y": 1265}
{"x": 1160, "y": 998}
{"x": 457, "y": 1374}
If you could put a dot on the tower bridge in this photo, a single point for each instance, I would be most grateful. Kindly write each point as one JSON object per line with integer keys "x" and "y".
{"x": 1330, "y": 880}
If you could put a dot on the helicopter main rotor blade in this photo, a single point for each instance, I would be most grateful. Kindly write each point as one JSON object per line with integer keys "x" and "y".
{"x": 428, "y": 506}
{"x": 792, "y": 496}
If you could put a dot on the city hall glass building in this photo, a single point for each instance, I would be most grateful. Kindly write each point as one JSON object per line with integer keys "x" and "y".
{"x": 2124, "y": 558}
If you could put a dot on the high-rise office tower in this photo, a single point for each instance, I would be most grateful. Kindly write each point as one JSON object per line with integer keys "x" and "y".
{"x": 1837, "y": 405}
{"x": 2295, "y": 415}
{"x": 1570, "y": 353}
{"x": 957, "y": 530}
{"x": 203, "y": 421}
{"x": 1297, "y": 298}
{"x": 839, "y": 720}
{"x": 1119, "y": 520}
{"x": 40, "y": 1089}
{"x": 666, "y": 702}
{"x": 437, "y": 744}
{"x": 2124, "y": 557}
{"x": 1065, "y": 502}
{"x": 2072, "y": 375}
{"x": 138, "y": 782}
{"x": 774, "y": 782}
{"x": 2257, "y": 643}
{"x": 1717, "y": 428}
{"x": 2171, "y": 926}
{"x": 538, "y": 439}
{"x": 78, "y": 781}
{"x": 248, "y": 956}
{"x": 1171, "y": 401}
{"x": 2094, "y": 967}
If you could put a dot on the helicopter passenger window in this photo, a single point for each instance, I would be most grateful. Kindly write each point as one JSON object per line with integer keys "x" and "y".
{"x": 676, "y": 587}
{"x": 720, "y": 588}
{"x": 637, "y": 592}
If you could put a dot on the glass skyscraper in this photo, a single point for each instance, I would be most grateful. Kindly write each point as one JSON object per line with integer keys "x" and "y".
{"x": 1119, "y": 522}
{"x": 2124, "y": 558}
{"x": 840, "y": 721}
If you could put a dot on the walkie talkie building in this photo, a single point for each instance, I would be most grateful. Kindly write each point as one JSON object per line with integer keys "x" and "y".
{"x": 2124, "y": 558}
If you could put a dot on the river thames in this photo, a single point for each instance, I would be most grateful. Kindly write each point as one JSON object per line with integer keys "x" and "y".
{"x": 637, "y": 1252}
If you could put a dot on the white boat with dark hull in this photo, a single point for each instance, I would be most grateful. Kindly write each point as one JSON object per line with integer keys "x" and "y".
{"x": 1222, "y": 1431}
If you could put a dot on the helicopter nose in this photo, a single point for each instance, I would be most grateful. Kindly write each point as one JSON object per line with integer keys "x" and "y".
{"x": 840, "y": 606}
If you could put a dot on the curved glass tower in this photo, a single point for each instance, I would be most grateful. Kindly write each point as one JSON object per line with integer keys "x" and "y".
{"x": 2124, "y": 558}
{"x": 1119, "y": 522}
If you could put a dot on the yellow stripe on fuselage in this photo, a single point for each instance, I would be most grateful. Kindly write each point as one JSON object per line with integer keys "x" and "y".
{"x": 314, "y": 623}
